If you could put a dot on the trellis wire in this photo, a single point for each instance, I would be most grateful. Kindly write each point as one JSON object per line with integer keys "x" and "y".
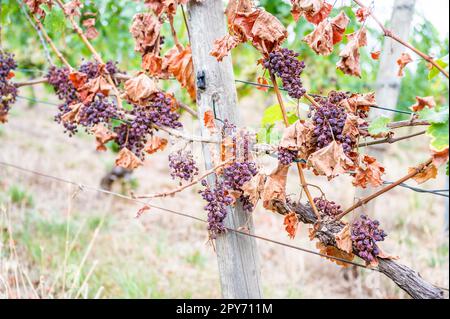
{"x": 99, "y": 190}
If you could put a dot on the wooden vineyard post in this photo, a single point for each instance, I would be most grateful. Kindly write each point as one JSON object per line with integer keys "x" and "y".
{"x": 237, "y": 254}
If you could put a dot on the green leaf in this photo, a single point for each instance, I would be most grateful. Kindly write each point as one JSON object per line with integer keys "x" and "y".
{"x": 439, "y": 115}
{"x": 54, "y": 20}
{"x": 379, "y": 125}
{"x": 439, "y": 135}
{"x": 435, "y": 71}
{"x": 292, "y": 118}
{"x": 272, "y": 115}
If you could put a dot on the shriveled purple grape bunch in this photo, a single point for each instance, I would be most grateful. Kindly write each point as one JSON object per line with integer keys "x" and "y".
{"x": 286, "y": 156}
{"x": 92, "y": 68}
{"x": 365, "y": 233}
{"x": 182, "y": 165}
{"x": 133, "y": 134}
{"x": 58, "y": 78}
{"x": 329, "y": 121}
{"x": 236, "y": 175}
{"x": 70, "y": 128}
{"x": 160, "y": 111}
{"x": 284, "y": 64}
{"x": 8, "y": 92}
{"x": 218, "y": 200}
{"x": 326, "y": 207}
{"x": 100, "y": 110}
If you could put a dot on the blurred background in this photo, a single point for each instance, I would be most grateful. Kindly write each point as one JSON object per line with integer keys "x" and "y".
{"x": 60, "y": 240}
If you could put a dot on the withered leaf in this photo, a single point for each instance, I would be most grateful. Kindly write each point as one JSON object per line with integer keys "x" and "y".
{"x": 72, "y": 8}
{"x": 145, "y": 30}
{"x": 142, "y": 210}
{"x": 155, "y": 144}
{"x": 140, "y": 88}
{"x": 127, "y": 159}
{"x": 298, "y": 137}
{"x": 335, "y": 252}
{"x": 208, "y": 120}
{"x": 330, "y": 160}
{"x": 308, "y": 8}
{"x": 375, "y": 55}
{"x": 152, "y": 63}
{"x": 275, "y": 187}
{"x": 349, "y": 62}
{"x": 362, "y": 13}
{"x": 263, "y": 29}
{"x": 180, "y": 65}
{"x": 72, "y": 115}
{"x": 96, "y": 85}
{"x": 439, "y": 157}
{"x": 264, "y": 82}
{"x": 91, "y": 31}
{"x": 254, "y": 187}
{"x": 357, "y": 102}
{"x": 422, "y": 102}
{"x": 291, "y": 223}
{"x": 402, "y": 61}
{"x": 339, "y": 24}
{"x": 321, "y": 38}
{"x": 102, "y": 136}
{"x": 351, "y": 126}
{"x": 78, "y": 79}
{"x": 371, "y": 174}
{"x": 429, "y": 172}
{"x": 223, "y": 46}
{"x": 344, "y": 239}
{"x": 35, "y": 6}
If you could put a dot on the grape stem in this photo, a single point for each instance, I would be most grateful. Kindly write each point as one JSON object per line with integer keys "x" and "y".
{"x": 96, "y": 55}
{"x": 419, "y": 169}
{"x": 183, "y": 187}
{"x": 49, "y": 40}
{"x": 390, "y": 34}
{"x": 303, "y": 181}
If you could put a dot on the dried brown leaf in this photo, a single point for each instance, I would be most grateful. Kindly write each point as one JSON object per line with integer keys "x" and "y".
{"x": 291, "y": 223}
{"x": 155, "y": 144}
{"x": 402, "y": 61}
{"x": 180, "y": 65}
{"x": 339, "y": 24}
{"x": 102, "y": 136}
{"x": 330, "y": 160}
{"x": 335, "y": 252}
{"x": 254, "y": 187}
{"x": 344, "y": 239}
{"x": 127, "y": 159}
{"x": 223, "y": 46}
{"x": 422, "y": 102}
{"x": 275, "y": 187}
{"x": 140, "y": 88}
{"x": 359, "y": 102}
{"x": 439, "y": 157}
{"x": 152, "y": 63}
{"x": 371, "y": 174}
{"x": 145, "y": 30}
{"x": 349, "y": 62}
{"x": 320, "y": 39}
{"x": 429, "y": 172}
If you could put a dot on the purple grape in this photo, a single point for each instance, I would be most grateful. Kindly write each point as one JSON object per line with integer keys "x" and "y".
{"x": 100, "y": 110}
{"x": 91, "y": 68}
{"x": 8, "y": 92}
{"x": 284, "y": 64}
{"x": 218, "y": 200}
{"x": 160, "y": 111}
{"x": 63, "y": 87}
{"x": 365, "y": 233}
{"x": 326, "y": 207}
{"x": 236, "y": 175}
{"x": 182, "y": 165}
{"x": 286, "y": 156}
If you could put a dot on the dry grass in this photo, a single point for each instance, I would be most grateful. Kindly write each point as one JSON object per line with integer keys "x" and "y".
{"x": 62, "y": 242}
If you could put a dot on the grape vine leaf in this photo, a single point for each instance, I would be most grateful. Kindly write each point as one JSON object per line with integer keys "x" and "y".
{"x": 55, "y": 20}
{"x": 442, "y": 62}
{"x": 379, "y": 125}
{"x": 439, "y": 135}
{"x": 435, "y": 115}
{"x": 273, "y": 114}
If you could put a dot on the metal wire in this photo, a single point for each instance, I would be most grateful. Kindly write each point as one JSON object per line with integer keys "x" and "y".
{"x": 437, "y": 192}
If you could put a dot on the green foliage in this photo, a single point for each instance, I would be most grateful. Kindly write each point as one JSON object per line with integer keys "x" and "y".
{"x": 273, "y": 114}
{"x": 435, "y": 115}
{"x": 439, "y": 135}
{"x": 379, "y": 125}
{"x": 20, "y": 196}
{"x": 55, "y": 20}
{"x": 443, "y": 62}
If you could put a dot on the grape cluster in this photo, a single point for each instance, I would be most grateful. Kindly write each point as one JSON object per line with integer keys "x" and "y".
{"x": 92, "y": 68}
{"x": 182, "y": 165}
{"x": 69, "y": 127}
{"x": 161, "y": 112}
{"x": 326, "y": 207}
{"x": 286, "y": 156}
{"x": 365, "y": 234}
{"x": 8, "y": 92}
{"x": 336, "y": 97}
{"x": 217, "y": 202}
{"x": 100, "y": 110}
{"x": 329, "y": 121}
{"x": 284, "y": 64}
{"x": 63, "y": 87}
{"x": 236, "y": 175}
{"x": 133, "y": 135}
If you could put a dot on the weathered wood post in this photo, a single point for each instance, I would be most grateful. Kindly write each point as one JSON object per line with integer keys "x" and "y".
{"x": 237, "y": 254}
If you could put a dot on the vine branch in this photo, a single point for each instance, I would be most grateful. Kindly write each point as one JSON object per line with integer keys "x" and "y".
{"x": 367, "y": 199}
{"x": 391, "y": 139}
{"x": 183, "y": 187}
